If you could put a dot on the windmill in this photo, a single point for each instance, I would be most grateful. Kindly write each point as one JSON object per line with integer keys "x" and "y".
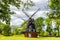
{"x": 30, "y": 30}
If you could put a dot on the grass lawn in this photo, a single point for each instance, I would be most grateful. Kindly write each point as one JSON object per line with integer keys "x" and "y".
{"x": 21, "y": 37}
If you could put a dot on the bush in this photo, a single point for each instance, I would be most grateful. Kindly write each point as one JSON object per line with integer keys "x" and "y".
{"x": 17, "y": 31}
{"x": 0, "y": 30}
{"x": 6, "y": 30}
{"x": 45, "y": 34}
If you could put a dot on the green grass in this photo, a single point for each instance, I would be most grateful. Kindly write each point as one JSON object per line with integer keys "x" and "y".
{"x": 21, "y": 37}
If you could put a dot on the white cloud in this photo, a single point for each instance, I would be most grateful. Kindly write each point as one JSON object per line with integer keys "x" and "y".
{"x": 16, "y": 21}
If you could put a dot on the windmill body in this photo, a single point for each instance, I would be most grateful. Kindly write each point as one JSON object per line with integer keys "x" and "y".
{"x": 31, "y": 26}
{"x": 30, "y": 30}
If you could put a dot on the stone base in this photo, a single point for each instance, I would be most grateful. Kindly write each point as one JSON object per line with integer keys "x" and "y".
{"x": 31, "y": 34}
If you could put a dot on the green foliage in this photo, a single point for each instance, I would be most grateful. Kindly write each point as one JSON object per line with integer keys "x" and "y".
{"x": 55, "y": 12}
{"x": 6, "y": 30}
{"x": 55, "y": 9}
{"x": 23, "y": 27}
{"x": 54, "y": 4}
{"x": 48, "y": 22}
{"x": 1, "y": 27}
{"x": 39, "y": 24}
{"x": 57, "y": 25}
{"x": 45, "y": 34}
{"x": 5, "y": 11}
{"x": 16, "y": 31}
{"x": 28, "y": 4}
{"x": 49, "y": 29}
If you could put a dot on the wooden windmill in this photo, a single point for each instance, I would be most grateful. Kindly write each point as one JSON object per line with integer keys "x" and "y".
{"x": 30, "y": 30}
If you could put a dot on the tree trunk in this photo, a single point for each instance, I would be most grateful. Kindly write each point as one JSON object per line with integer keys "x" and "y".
{"x": 49, "y": 33}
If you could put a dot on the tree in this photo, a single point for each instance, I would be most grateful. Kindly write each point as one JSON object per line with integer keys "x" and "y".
{"x": 48, "y": 22}
{"x": 57, "y": 24}
{"x": 55, "y": 9}
{"x": 39, "y": 24}
{"x": 6, "y": 30}
{"x": 5, "y": 12}
{"x": 1, "y": 27}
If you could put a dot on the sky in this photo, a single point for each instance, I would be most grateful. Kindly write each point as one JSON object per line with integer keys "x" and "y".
{"x": 16, "y": 19}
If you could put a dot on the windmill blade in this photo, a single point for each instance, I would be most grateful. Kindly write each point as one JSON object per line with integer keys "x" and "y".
{"x": 35, "y": 12}
{"x": 24, "y": 23}
{"x": 25, "y": 13}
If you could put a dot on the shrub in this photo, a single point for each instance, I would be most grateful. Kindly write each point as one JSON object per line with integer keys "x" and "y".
{"x": 6, "y": 30}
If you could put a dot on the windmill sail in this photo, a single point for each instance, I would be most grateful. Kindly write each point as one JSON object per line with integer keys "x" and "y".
{"x": 25, "y": 13}
{"x": 31, "y": 16}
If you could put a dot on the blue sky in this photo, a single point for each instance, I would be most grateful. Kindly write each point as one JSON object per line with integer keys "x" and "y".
{"x": 42, "y": 4}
